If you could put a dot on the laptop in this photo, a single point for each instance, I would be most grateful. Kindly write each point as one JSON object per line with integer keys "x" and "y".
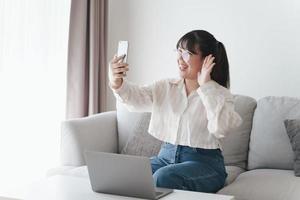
{"x": 121, "y": 174}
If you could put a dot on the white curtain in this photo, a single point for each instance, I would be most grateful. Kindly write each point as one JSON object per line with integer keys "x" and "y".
{"x": 33, "y": 64}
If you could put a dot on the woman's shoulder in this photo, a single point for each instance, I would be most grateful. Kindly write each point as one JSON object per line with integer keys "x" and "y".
{"x": 168, "y": 81}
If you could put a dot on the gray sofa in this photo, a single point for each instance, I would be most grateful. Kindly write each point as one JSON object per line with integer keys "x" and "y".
{"x": 258, "y": 155}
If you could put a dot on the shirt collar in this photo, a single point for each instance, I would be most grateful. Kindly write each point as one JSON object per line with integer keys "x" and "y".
{"x": 180, "y": 84}
{"x": 176, "y": 82}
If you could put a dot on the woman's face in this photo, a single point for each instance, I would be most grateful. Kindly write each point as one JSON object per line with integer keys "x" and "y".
{"x": 189, "y": 64}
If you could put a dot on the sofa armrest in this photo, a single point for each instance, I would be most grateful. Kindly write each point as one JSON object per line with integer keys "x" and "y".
{"x": 95, "y": 133}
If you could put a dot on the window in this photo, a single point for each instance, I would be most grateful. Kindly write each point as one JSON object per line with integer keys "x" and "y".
{"x": 33, "y": 65}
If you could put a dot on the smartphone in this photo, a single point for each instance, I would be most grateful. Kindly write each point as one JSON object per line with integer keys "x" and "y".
{"x": 123, "y": 50}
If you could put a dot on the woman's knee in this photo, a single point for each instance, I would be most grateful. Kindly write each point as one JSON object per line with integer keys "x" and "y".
{"x": 155, "y": 164}
{"x": 164, "y": 177}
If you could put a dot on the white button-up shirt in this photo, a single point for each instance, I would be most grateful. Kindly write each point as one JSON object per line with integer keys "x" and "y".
{"x": 197, "y": 120}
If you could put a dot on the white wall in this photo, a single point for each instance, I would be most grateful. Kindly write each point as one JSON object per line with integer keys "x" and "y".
{"x": 261, "y": 38}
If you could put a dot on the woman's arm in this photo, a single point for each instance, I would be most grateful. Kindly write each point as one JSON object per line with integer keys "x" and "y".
{"x": 219, "y": 104}
{"x": 135, "y": 98}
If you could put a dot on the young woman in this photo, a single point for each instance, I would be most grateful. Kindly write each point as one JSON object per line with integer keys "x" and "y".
{"x": 189, "y": 114}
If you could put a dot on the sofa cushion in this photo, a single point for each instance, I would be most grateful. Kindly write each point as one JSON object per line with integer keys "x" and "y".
{"x": 140, "y": 142}
{"x": 293, "y": 130}
{"x": 130, "y": 125}
{"x": 236, "y": 144}
{"x": 233, "y": 172}
{"x": 269, "y": 144}
{"x": 266, "y": 184}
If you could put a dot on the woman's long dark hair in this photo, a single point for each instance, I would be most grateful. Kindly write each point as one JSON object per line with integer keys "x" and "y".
{"x": 207, "y": 44}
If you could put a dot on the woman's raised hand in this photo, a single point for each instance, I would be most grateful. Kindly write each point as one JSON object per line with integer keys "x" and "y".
{"x": 204, "y": 75}
{"x": 117, "y": 70}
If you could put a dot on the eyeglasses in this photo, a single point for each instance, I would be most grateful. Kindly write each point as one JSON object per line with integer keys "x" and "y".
{"x": 185, "y": 54}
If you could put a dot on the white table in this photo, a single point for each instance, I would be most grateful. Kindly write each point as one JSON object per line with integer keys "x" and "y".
{"x": 75, "y": 188}
{"x": 5, "y": 198}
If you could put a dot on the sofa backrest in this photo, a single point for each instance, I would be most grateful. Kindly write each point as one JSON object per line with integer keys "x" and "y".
{"x": 269, "y": 143}
{"x": 235, "y": 146}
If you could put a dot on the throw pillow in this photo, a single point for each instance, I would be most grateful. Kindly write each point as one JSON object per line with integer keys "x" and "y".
{"x": 140, "y": 142}
{"x": 293, "y": 130}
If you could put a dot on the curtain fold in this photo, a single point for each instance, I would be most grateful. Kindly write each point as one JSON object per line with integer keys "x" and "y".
{"x": 87, "y": 65}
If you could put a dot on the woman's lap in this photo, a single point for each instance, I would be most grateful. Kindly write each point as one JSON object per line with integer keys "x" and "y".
{"x": 188, "y": 175}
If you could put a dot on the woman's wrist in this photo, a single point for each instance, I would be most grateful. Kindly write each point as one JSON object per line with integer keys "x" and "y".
{"x": 117, "y": 84}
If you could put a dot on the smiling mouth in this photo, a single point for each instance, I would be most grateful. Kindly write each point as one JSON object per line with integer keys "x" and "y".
{"x": 182, "y": 68}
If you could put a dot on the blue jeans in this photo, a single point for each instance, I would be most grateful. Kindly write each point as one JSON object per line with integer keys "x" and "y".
{"x": 187, "y": 168}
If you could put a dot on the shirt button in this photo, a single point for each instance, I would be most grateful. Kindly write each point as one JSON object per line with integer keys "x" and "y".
{"x": 126, "y": 98}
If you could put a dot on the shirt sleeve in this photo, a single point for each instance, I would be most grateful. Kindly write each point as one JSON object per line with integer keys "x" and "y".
{"x": 135, "y": 98}
{"x": 219, "y": 104}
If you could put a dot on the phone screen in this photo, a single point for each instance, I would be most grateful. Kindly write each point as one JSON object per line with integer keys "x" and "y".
{"x": 123, "y": 49}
